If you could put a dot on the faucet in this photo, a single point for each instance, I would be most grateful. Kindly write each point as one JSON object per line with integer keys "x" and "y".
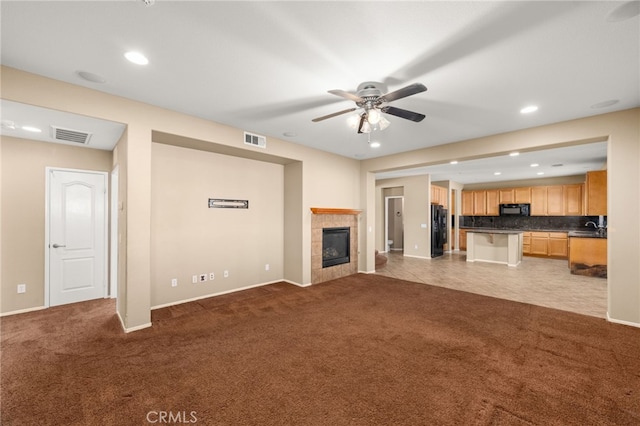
{"x": 600, "y": 228}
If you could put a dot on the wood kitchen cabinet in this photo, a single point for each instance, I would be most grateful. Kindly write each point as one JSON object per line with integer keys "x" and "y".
{"x": 558, "y": 244}
{"x": 539, "y": 243}
{"x": 506, "y": 196}
{"x": 479, "y": 203}
{"x": 596, "y": 193}
{"x": 573, "y": 199}
{"x": 439, "y": 195}
{"x": 463, "y": 239}
{"x": 547, "y": 244}
{"x": 492, "y": 202}
{"x": 556, "y": 200}
{"x": 522, "y": 195}
{"x": 467, "y": 203}
{"x": 474, "y": 203}
{"x": 538, "y": 201}
{"x": 526, "y": 243}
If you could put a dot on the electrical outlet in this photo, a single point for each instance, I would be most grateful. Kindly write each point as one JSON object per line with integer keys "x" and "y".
{"x": 22, "y": 288}
{"x": 212, "y": 276}
{"x": 226, "y": 274}
{"x": 174, "y": 282}
{"x": 266, "y": 267}
{"x": 203, "y": 277}
{"x": 194, "y": 279}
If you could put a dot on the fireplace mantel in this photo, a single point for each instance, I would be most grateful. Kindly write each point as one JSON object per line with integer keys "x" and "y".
{"x": 321, "y": 210}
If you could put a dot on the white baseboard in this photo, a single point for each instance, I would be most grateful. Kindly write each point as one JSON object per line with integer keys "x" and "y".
{"x": 296, "y": 284}
{"x": 617, "y": 321}
{"x": 220, "y": 293}
{"x": 22, "y": 311}
{"x": 417, "y": 257}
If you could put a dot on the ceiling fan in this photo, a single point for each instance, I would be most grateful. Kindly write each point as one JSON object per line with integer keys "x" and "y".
{"x": 369, "y": 97}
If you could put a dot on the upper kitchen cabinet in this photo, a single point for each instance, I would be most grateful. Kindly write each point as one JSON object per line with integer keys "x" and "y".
{"x": 439, "y": 195}
{"x": 573, "y": 200}
{"x": 492, "y": 202}
{"x": 522, "y": 195}
{"x": 556, "y": 200}
{"x": 596, "y": 193}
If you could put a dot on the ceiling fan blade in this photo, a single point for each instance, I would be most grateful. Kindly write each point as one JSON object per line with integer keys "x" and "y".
{"x": 403, "y": 113}
{"x": 362, "y": 117}
{"x": 346, "y": 95}
{"x": 402, "y": 93}
{"x": 324, "y": 117}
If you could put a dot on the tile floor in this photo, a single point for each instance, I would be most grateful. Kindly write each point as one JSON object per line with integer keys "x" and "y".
{"x": 538, "y": 281}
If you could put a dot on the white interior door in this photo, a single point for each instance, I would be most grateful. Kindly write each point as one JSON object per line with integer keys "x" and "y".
{"x": 77, "y": 236}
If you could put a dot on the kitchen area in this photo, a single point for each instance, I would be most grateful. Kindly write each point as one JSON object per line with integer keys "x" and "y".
{"x": 560, "y": 221}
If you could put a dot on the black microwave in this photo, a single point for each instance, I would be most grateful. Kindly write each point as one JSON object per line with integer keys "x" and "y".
{"x": 514, "y": 209}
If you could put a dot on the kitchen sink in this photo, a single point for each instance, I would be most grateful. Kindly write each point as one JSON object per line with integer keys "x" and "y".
{"x": 590, "y": 234}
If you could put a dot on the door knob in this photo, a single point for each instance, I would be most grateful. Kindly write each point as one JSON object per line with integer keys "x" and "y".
{"x": 58, "y": 245}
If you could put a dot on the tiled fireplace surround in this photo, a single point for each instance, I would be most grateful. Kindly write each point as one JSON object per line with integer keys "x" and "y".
{"x": 333, "y": 218}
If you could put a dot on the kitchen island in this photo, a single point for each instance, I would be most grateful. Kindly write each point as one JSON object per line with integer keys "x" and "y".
{"x": 494, "y": 246}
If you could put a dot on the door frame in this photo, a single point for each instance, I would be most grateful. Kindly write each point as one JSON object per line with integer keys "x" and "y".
{"x": 114, "y": 242}
{"x": 47, "y": 220}
{"x": 386, "y": 220}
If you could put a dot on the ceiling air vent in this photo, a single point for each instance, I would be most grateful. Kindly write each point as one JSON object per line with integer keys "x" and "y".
{"x": 68, "y": 135}
{"x": 255, "y": 140}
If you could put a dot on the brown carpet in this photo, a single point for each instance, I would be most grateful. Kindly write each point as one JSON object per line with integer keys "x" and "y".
{"x": 362, "y": 350}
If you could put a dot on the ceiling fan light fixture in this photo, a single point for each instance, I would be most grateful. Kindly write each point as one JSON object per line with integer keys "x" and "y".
{"x": 366, "y": 127}
{"x": 383, "y": 123}
{"x": 373, "y": 116}
{"x": 353, "y": 121}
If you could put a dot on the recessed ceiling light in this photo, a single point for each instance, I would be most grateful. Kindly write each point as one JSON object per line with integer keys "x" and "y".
{"x": 374, "y": 144}
{"x": 497, "y": 173}
{"x": 453, "y": 162}
{"x": 136, "y": 58}
{"x": 31, "y": 129}
{"x": 89, "y": 76}
{"x": 540, "y": 173}
{"x": 529, "y": 109}
{"x": 535, "y": 165}
{"x": 514, "y": 154}
{"x": 8, "y": 124}
{"x": 605, "y": 104}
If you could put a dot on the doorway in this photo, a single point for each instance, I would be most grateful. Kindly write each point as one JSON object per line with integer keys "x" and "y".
{"x": 75, "y": 236}
{"x": 394, "y": 223}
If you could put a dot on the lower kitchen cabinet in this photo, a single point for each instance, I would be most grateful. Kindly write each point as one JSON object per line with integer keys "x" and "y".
{"x": 551, "y": 244}
{"x": 539, "y": 243}
{"x": 463, "y": 239}
{"x": 558, "y": 244}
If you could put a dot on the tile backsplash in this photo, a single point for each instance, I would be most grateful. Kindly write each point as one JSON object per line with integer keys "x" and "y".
{"x": 543, "y": 223}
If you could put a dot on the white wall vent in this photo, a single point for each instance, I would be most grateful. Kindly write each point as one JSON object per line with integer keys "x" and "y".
{"x": 255, "y": 140}
{"x": 68, "y": 135}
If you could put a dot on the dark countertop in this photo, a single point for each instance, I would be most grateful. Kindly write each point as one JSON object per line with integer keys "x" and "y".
{"x": 587, "y": 234}
{"x": 572, "y": 233}
{"x": 495, "y": 231}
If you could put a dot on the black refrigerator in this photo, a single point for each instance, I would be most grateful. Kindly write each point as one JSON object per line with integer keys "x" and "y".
{"x": 438, "y": 230}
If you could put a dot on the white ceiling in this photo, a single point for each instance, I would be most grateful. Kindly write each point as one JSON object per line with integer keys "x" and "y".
{"x": 265, "y": 67}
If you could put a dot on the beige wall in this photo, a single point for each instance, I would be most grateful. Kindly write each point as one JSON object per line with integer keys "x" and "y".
{"x": 327, "y": 180}
{"x": 188, "y": 238}
{"x": 23, "y": 212}
{"x": 318, "y": 179}
{"x": 621, "y": 130}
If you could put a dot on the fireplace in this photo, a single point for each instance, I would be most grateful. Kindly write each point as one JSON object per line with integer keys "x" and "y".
{"x": 335, "y": 246}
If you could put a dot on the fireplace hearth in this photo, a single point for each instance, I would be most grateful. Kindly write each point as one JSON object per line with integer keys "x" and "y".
{"x": 335, "y": 246}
